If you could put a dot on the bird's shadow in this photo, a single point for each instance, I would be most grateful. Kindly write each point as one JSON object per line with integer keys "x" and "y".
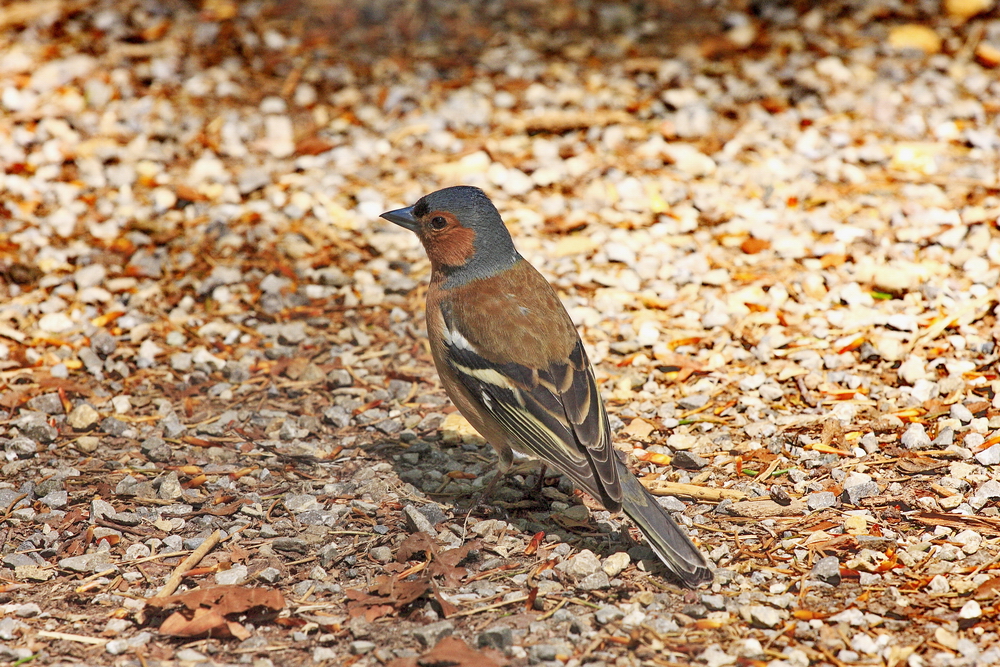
{"x": 515, "y": 499}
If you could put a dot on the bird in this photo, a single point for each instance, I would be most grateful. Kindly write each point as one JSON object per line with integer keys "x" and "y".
{"x": 511, "y": 360}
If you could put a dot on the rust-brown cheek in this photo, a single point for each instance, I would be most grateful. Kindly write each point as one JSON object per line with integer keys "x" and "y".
{"x": 453, "y": 247}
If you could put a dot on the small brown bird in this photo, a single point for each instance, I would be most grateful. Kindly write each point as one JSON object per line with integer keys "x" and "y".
{"x": 510, "y": 358}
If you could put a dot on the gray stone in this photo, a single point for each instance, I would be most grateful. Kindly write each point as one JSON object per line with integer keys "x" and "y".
{"x": 688, "y": 460}
{"x": 269, "y": 574}
{"x": 760, "y": 616}
{"x": 231, "y": 577}
{"x": 432, "y": 633}
{"x": 337, "y": 416}
{"x": 293, "y": 544}
{"x": 360, "y": 647}
{"x": 596, "y": 581}
{"x": 827, "y": 570}
{"x": 55, "y": 499}
{"x": 853, "y": 495}
{"x": 16, "y": 560}
{"x": 693, "y": 402}
{"x": 499, "y": 637}
{"x": 116, "y": 646}
{"x": 915, "y": 437}
{"x": 21, "y": 448}
{"x": 821, "y": 500}
{"x": 50, "y": 404}
{"x": 435, "y": 513}
{"x": 170, "y": 487}
{"x": 581, "y": 565}
{"x": 547, "y": 652}
{"x": 987, "y": 490}
{"x": 92, "y": 562}
{"x": 608, "y": 614}
{"x": 113, "y": 426}
{"x": 172, "y": 426}
{"x": 671, "y": 504}
{"x": 945, "y": 438}
{"x": 381, "y": 554}
{"x": 989, "y": 457}
{"x": 28, "y": 610}
{"x": 339, "y": 377}
{"x": 35, "y": 425}
{"x": 92, "y": 362}
{"x": 103, "y": 343}
{"x": 416, "y": 522}
{"x": 714, "y": 602}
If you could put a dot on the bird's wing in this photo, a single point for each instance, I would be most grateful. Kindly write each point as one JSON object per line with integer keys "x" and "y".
{"x": 554, "y": 412}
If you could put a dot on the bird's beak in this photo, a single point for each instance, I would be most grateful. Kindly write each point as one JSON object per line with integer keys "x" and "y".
{"x": 402, "y": 217}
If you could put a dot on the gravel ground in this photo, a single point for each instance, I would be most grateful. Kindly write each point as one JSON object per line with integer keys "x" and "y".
{"x": 776, "y": 226}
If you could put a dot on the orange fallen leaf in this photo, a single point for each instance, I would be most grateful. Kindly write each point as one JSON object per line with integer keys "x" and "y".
{"x": 536, "y": 541}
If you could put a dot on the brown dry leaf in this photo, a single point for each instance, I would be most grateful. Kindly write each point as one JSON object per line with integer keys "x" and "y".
{"x": 988, "y": 590}
{"x": 389, "y": 594}
{"x": 447, "y": 608}
{"x": 208, "y": 608}
{"x": 414, "y": 544}
{"x": 226, "y": 599}
{"x": 452, "y": 652}
{"x": 313, "y": 145}
{"x": 446, "y": 564}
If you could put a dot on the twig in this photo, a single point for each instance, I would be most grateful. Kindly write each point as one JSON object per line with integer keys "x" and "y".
{"x": 175, "y": 577}
{"x": 83, "y": 639}
{"x": 488, "y": 607}
{"x": 660, "y": 488}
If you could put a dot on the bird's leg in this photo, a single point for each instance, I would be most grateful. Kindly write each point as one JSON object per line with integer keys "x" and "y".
{"x": 541, "y": 480}
{"x": 485, "y": 494}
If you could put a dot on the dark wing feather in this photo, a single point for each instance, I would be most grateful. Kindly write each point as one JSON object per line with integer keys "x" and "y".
{"x": 554, "y": 413}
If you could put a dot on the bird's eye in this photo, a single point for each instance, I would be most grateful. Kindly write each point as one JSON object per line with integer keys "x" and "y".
{"x": 437, "y": 222}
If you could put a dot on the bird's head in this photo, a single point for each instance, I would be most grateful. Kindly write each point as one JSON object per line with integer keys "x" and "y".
{"x": 461, "y": 230}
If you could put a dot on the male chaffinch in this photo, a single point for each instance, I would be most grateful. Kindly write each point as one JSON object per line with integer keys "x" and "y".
{"x": 510, "y": 358}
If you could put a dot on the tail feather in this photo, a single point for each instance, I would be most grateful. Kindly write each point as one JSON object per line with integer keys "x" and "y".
{"x": 665, "y": 537}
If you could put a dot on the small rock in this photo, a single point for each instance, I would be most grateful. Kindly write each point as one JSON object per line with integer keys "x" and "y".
{"x": 170, "y": 486}
{"x": 688, "y": 461}
{"x": 616, "y": 563}
{"x": 35, "y": 425}
{"x": 236, "y": 574}
{"x": 608, "y": 614}
{"x": 596, "y": 581}
{"x": 113, "y": 426}
{"x": 989, "y": 457}
{"x": 416, "y": 522}
{"x": 360, "y": 647}
{"x": 827, "y": 570}
{"x": 853, "y": 495}
{"x": 581, "y": 565}
{"x": 761, "y": 616}
{"x": 970, "y": 610}
{"x": 938, "y": 586}
{"x": 50, "y": 404}
{"x": 82, "y": 417}
{"x": 969, "y": 540}
{"x": 431, "y": 634}
{"x": 381, "y": 554}
{"x": 93, "y": 562}
{"x": 915, "y": 437}
{"x": 693, "y": 402}
{"x": 499, "y": 638}
{"x": 912, "y": 370}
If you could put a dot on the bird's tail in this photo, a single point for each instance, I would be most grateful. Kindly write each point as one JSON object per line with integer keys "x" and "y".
{"x": 665, "y": 537}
